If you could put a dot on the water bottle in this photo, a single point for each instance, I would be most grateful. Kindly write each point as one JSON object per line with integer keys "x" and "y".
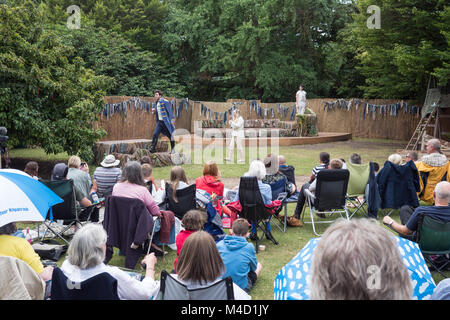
{"x": 94, "y": 197}
{"x": 28, "y": 236}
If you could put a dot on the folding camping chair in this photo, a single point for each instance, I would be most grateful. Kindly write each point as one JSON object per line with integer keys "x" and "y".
{"x": 433, "y": 237}
{"x": 172, "y": 289}
{"x": 330, "y": 196}
{"x": 253, "y": 208}
{"x": 186, "y": 200}
{"x": 100, "y": 287}
{"x": 65, "y": 211}
{"x": 357, "y": 183}
{"x": 279, "y": 192}
{"x": 127, "y": 221}
{"x": 398, "y": 186}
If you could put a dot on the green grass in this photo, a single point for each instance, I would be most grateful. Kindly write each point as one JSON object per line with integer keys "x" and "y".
{"x": 37, "y": 154}
{"x": 303, "y": 158}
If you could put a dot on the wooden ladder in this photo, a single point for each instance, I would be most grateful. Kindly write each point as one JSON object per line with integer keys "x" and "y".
{"x": 421, "y": 129}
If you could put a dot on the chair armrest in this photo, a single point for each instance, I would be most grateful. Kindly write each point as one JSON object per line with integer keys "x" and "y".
{"x": 309, "y": 194}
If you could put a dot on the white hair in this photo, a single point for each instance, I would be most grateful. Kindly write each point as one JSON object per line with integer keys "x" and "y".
{"x": 86, "y": 250}
{"x": 257, "y": 169}
{"x": 395, "y": 158}
{"x": 442, "y": 191}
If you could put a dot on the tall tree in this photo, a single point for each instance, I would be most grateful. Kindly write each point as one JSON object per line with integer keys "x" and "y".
{"x": 45, "y": 99}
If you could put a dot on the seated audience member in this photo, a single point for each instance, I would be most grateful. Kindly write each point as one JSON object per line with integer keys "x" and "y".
{"x": 344, "y": 256}
{"x": 83, "y": 188}
{"x": 85, "y": 167}
{"x": 344, "y": 165}
{"x": 287, "y": 170}
{"x": 412, "y": 155}
{"x": 192, "y": 221}
{"x": 20, "y": 248}
{"x": 239, "y": 256}
{"x": 376, "y": 167}
{"x": 178, "y": 181}
{"x": 31, "y": 168}
{"x": 60, "y": 171}
{"x": 355, "y": 159}
{"x": 334, "y": 164}
{"x": 132, "y": 185}
{"x": 107, "y": 175}
{"x": 85, "y": 258}
{"x": 200, "y": 265}
{"x": 442, "y": 291}
{"x": 395, "y": 158}
{"x": 210, "y": 181}
{"x": 324, "y": 158}
{"x": 147, "y": 174}
{"x": 434, "y": 156}
{"x": 258, "y": 170}
{"x": 409, "y": 216}
{"x": 273, "y": 174}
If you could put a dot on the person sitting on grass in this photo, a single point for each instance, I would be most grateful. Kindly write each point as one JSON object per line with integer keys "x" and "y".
{"x": 239, "y": 256}
{"x": 85, "y": 257}
{"x": 20, "y": 248}
{"x": 147, "y": 174}
{"x": 200, "y": 265}
{"x": 192, "y": 221}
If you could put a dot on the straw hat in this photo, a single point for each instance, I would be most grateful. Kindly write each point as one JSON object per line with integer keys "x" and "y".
{"x": 110, "y": 161}
{"x": 271, "y": 163}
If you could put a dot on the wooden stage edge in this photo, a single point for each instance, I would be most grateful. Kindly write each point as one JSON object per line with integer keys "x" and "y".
{"x": 323, "y": 137}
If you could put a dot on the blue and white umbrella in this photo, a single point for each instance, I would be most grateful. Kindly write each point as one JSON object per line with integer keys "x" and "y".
{"x": 23, "y": 198}
{"x": 293, "y": 280}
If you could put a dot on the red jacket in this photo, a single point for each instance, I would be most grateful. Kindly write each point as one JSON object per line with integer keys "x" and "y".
{"x": 210, "y": 185}
{"x": 181, "y": 238}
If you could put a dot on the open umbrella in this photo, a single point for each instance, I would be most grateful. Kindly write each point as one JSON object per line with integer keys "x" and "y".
{"x": 23, "y": 198}
{"x": 292, "y": 282}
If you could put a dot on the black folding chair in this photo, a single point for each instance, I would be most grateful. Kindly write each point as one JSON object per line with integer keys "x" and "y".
{"x": 65, "y": 211}
{"x": 185, "y": 200}
{"x": 329, "y": 197}
{"x": 253, "y": 208}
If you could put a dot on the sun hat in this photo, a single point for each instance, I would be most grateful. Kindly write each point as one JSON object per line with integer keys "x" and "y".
{"x": 271, "y": 163}
{"x": 110, "y": 161}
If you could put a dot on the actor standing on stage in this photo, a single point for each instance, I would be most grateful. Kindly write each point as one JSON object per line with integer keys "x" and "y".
{"x": 165, "y": 121}
{"x": 301, "y": 100}
{"x": 237, "y": 126}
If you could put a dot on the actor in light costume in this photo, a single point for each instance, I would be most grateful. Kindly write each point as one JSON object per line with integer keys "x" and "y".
{"x": 237, "y": 126}
{"x": 301, "y": 100}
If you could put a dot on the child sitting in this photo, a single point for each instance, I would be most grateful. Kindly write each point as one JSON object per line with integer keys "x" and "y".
{"x": 192, "y": 221}
{"x": 239, "y": 256}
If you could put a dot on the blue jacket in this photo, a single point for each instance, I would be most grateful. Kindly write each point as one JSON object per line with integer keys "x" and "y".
{"x": 398, "y": 185}
{"x": 167, "y": 115}
{"x": 214, "y": 223}
{"x": 239, "y": 258}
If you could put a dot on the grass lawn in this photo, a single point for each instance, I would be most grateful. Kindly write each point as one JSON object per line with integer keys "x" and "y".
{"x": 303, "y": 158}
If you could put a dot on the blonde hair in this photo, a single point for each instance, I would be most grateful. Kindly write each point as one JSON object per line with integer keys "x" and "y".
{"x": 344, "y": 260}
{"x": 395, "y": 158}
{"x": 199, "y": 260}
{"x": 74, "y": 162}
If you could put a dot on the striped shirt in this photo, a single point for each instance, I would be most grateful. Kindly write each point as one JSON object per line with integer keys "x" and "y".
{"x": 106, "y": 179}
{"x": 316, "y": 169}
